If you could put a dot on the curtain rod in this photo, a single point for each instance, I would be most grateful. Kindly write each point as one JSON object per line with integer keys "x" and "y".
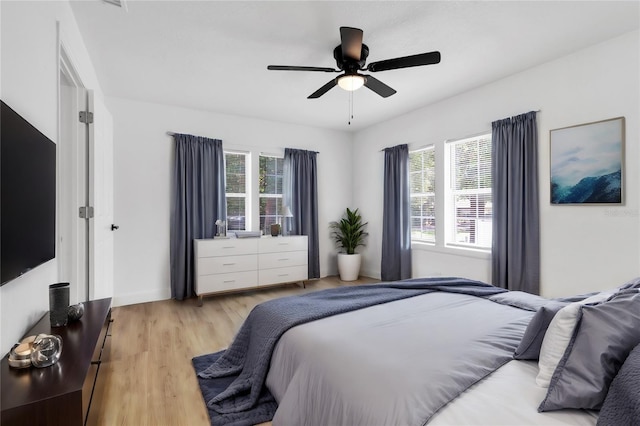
{"x": 173, "y": 134}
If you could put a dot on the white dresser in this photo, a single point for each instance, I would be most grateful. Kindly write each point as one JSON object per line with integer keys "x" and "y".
{"x": 223, "y": 265}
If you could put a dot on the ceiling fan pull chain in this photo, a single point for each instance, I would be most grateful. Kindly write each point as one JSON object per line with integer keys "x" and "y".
{"x": 350, "y": 111}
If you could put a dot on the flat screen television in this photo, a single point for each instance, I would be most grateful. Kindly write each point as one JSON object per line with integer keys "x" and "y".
{"x": 27, "y": 196}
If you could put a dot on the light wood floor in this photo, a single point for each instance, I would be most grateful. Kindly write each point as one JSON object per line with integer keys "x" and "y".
{"x": 147, "y": 377}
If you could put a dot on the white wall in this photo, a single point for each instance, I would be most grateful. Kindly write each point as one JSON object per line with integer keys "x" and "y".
{"x": 143, "y": 164}
{"x": 583, "y": 248}
{"x": 29, "y": 84}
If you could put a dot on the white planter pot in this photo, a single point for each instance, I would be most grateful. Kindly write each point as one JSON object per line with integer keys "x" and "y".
{"x": 349, "y": 266}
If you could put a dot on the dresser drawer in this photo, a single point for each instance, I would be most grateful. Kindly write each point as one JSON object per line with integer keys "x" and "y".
{"x": 282, "y": 260}
{"x": 227, "y": 264}
{"x": 225, "y": 247}
{"x": 223, "y": 282}
{"x": 279, "y": 244}
{"x": 283, "y": 275}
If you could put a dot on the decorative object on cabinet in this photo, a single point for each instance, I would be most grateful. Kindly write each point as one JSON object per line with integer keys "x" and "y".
{"x": 275, "y": 229}
{"x": 47, "y": 349}
{"x": 587, "y": 162}
{"x": 222, "y": 228}
{"x": 249, "y": 263}
{"x": 59, "y": 304}
{"x": 349, "y": 234}
{"x": 287, "y": 221}
{"x": 76, "y": 311}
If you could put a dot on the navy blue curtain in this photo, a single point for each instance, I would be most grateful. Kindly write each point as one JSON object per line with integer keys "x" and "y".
{"x": 515, "y": 252}
{"x": 300, "y": 194}
{"x": 396, "y": 219}
{"x": 198, "y": 201}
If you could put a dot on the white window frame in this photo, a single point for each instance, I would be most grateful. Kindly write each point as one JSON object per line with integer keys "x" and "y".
{"x": 424, "y": 194}
{"x": 247, "y": 186}
{"x": 451, "y": 218}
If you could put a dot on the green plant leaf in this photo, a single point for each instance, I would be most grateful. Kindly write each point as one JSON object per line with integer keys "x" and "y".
{"x": 349, "y": 232}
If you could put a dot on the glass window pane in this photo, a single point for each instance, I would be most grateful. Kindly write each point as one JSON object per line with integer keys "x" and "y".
{"x": 270, "y": 184}
{"x": 422, "y": 188}
{"x": 236, "y": 213}
{"x": 235, "y": 173}
{"x": 471, "y": 191}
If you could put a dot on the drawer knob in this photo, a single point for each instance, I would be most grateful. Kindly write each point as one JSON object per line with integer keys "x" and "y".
{"x": 228, "y": 264}
{"x": 229, "y": 281}
{"x": 283, "y": 259}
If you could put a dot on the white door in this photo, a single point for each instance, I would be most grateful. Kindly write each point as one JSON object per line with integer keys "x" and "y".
{"x": 101, "y": 199}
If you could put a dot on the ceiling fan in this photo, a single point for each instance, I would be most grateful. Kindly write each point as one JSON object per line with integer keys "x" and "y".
{"x": 351, "y": 56}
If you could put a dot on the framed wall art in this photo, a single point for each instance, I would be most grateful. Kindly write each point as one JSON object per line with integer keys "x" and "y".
{"x": 587, "y": 163}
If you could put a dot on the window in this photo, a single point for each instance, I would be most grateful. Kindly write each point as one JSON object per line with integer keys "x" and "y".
{"x": 236, "y": 190}
{"x": 422, "y": 180}
{"x": 470, "y": 192}
{"x": 270, "y": 187}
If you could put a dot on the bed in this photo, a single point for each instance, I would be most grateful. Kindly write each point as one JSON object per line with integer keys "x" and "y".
{"x": 443, "y": 355}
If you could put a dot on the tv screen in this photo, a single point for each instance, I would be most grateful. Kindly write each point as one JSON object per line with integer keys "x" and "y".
{"x": 27, "y": 196}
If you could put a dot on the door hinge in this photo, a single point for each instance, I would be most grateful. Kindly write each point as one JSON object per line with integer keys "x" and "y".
{"x": 86, "y": 117}
{"x": 85, "y": 212}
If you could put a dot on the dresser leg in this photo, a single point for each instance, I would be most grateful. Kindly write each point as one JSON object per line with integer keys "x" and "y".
{"x": 200, "y": 301}
{"x": 301, "y": 284}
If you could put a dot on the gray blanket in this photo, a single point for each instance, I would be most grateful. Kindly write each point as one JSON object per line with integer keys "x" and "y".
{"x": 246, "y": 400}
{"x": 622, "y": 405}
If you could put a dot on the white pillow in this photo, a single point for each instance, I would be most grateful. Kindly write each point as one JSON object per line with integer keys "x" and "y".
{"x": 558, "y": 335}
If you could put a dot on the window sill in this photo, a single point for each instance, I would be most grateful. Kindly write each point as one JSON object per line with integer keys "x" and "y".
{"x": 452, "y": 250}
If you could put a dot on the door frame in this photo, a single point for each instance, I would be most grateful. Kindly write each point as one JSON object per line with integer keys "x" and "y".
{"x": 72, "y": 236}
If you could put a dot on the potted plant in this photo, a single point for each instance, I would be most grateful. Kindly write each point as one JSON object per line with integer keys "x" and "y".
{"x": 349, "y": 234}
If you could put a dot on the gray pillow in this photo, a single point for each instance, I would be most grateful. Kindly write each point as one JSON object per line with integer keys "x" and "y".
{"x": 601, "y": 342}
{"x": 622, "y": 403}
{"x": 529, "y": 347}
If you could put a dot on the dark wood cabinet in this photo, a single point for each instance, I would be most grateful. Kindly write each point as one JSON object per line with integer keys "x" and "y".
{"x": 60, "y": 394}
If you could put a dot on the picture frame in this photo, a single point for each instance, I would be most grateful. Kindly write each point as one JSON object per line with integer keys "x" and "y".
{"x": 587, "y": 163}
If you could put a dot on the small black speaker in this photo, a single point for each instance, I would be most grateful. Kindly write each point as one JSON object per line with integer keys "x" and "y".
{"x": 58, "y": 304}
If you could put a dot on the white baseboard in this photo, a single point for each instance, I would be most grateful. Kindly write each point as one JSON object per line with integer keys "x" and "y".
{"x": 370, "y": 273}
{"x": 143, "y": 297}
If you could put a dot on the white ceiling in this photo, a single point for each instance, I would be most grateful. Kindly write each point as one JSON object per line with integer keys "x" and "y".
{"x": 213, "y": 55}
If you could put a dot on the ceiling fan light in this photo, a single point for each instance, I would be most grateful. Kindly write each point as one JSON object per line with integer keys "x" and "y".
{"x": 351, "y": 82}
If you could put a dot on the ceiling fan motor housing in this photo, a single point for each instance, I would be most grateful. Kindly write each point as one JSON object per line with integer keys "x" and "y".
{"x": 348, "y": 64}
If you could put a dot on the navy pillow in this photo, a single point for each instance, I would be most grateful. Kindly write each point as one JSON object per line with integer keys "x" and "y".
{"x": 529, "y": 347}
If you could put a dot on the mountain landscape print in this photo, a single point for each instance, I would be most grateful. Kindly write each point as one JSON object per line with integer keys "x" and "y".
{"x": 586, "y": 163}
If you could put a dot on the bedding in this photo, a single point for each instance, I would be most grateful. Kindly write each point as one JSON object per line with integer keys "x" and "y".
{"x": 437, "y": 351}
{"x": 529, "y": 347}
{"x": 604, "y": 337}
{"x": 558, "y": 336}
{"x": 621, "y": 407}
{"x": 244, "y": 399}
{"x": 508, "y": 397}
{"x": 396, "y": 363}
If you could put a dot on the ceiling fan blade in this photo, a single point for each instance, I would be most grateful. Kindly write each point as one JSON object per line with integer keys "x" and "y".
{"x": 295, "y": 68}
{"x": 351, "y": 42}
{"x": 324, "y": 89}
{"x": 405, "y": 62}
{"x": 379, "y": 87}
